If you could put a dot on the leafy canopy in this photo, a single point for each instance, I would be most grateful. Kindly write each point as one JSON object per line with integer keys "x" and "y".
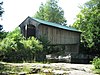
{"x": 88, "y": 21}
{"x": 1, "y": 12}
{"x": 1, "y": 9}
{"x": 50, "y": 11}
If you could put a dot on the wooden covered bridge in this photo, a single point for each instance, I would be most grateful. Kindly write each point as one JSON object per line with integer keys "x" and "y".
{"x": 57, "y": 34}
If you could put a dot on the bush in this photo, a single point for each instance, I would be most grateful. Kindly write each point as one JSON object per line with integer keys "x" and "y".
{"x": 16, "y": 48}
{"x": 96, "y": 63}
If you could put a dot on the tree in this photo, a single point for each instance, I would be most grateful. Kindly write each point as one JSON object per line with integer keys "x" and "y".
{"x": 3, "y": 34}
{"x": 88, "y": 21}
{"x": 1, "y": 27}
{"x": 51, "y": 12}
{"x": 1, "y": 9}
{"x": 1, "y": 12}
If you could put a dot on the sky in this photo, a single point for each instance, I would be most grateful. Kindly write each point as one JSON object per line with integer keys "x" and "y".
{"x": 17, "y": 10}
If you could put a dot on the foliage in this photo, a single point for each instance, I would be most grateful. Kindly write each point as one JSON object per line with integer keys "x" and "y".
{"x": 96, "y": 63}
{"x": 15, "y": 48}
{"x": 1, "y": 27}
{"x": 5, "y": 67}
{"x": 1, "y": 9}
{"x": 50, "y": 11}
{"x": 88, "y": 21}
{"x": 97, "y": 71}
{"x": 1, "y": 12}
{"x": 3, "y": 34}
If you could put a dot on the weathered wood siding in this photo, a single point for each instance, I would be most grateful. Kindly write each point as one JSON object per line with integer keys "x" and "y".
{"x": 58, "y": 36}
{"x": 72, "y": 48}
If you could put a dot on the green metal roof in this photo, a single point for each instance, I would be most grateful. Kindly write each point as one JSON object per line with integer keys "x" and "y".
{"x": 55, "y": 25}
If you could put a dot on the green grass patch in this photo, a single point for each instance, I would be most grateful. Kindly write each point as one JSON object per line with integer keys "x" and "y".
{"x": 96, "y": 71}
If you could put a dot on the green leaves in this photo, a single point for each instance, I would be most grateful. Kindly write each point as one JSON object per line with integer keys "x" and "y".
{"x": 51, "y": 12}
{"x": 3, "y": 34}
{"x": 16, "y": 48}
{"x": 88, "y": 21}
{"x": 96, "y": 63}
{"x": 32, "y": 44}
{"x": 1, "y": 9}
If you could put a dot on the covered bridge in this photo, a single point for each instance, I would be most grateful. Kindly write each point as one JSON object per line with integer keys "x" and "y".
{"x": 57, "y": 34}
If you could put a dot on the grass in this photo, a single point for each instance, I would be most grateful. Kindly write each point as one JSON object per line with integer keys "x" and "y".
{"x": 97, "y": 71}
{"x": 14, "y": 69}
{"x": 11, "y": 69}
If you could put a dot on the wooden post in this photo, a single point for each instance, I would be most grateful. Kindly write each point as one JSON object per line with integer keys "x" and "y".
{"x": 37, "y": 30}
{"x": 26, "y": 31}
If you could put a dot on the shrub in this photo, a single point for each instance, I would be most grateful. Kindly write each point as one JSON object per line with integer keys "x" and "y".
{"x": 16, "y": 48}
{"x": 96, "y": 63}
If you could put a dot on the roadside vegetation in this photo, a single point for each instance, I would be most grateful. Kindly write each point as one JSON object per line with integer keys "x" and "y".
{"x": 96, "y": 63}
{"x": 16, "y": 48}
{"x": 88, "y": 21}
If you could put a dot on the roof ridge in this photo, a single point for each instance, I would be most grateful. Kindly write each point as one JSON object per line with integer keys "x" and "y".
{"x": 55, "y": 24}
{"x": 47, "y": 21}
